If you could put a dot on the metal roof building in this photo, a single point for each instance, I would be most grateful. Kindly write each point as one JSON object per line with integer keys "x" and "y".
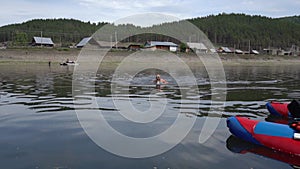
{"x": 38, "y": 41}
{"x": 197, "y": 46}
{"x": 224, "y": 50}
{"x": 238, "y": 51}
{"x": 158, "y": 43}
{"x": 154, "y": 45}
{"x": 83, "y": 42}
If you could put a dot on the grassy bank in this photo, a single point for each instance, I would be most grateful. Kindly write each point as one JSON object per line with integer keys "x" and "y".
{"x": 39, "y": 55}
{"x": 56, "y": 55}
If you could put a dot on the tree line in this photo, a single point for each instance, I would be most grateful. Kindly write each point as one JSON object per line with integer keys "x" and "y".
{"x": 238, "y": 30}
{"x": 63, "y": 31}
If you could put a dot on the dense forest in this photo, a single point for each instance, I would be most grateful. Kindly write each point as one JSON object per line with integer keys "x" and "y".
{"x": 62, "y": 31}
{"x": 237, "y": 30}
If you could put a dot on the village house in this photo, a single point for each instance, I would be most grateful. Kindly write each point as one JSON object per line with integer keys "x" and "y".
{"x": 85, "y": 41}
{"x": 238, "y": 51}
{"x": 255, "y": 52}
{"x": 42, "y": 41}
{"x": 223, "y": 49}
{"x": 154, "y": 45}
{"x": 197, "y": 47}
{"x": 134, "y": 47}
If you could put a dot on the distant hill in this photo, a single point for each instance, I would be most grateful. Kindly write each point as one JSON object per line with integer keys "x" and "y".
{"x": 63, "y": 31}
{"x": 240, "y": 29}
{"x": 294, "y": 19}
{"x": 223, "y": 30}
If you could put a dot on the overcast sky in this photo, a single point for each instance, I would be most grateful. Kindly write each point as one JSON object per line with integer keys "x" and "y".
{"x": 17, "y": 11}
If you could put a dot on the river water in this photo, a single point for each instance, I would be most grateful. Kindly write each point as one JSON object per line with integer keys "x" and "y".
{"x": 39, "y": 126}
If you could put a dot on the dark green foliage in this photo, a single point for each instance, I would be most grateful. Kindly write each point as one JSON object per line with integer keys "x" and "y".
{"x": 21, "y": 39}
{"x": 294, "y": 19}
{"x": 182, "y": 47}
{"x": 62, "y": 31}
{"x": 238, "y": 29}
{"x": 224, "y": 29}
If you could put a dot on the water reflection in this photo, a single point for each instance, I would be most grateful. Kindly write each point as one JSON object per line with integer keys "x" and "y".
{"x": 237, "y": 145}
{"x": 45, "y": 88}
{"x": 39, "y": 127}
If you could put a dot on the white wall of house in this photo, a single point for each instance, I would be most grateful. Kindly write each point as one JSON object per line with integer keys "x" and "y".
{"x": 173, "y": 48}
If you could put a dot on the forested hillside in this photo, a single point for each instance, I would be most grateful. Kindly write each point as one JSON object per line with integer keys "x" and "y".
{"x": 63, "y": 31}
{"x": 241, "y": 29}
{"x": 237, "y": 30}
{"x": 294, "y": 19}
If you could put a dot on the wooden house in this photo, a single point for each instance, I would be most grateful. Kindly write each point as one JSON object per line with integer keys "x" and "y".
{"x": 42, "y": 41}
{"x": 134, "y": 47}
{"x": 154, "y": 45}
{"x": 197, "y": 47}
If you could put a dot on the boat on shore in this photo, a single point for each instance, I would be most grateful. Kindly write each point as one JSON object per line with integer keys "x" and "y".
{"x": 68, "y": 63}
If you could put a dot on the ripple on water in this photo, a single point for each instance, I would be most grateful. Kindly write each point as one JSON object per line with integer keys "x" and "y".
{"x": 37, "y": 111}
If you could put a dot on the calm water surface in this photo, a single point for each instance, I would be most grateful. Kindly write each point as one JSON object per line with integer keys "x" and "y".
{"x": 39, "y": 127}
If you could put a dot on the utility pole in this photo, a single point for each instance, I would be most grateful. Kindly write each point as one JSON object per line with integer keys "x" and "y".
{"x": 12, "y": 38}
{"x": 60, "y": 41}
{"x": 249, "y": 46}
{"x": 234, "y": 49}
{"x": 215, "y": 38}
{"x": 116, "y": 39}
{"x": 111, "y": 42}
{"x": 41, "y": 38}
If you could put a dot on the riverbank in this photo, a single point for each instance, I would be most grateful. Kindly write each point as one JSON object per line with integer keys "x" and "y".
{"x": 44, "y": 55}
{"x": 38, "y": 55}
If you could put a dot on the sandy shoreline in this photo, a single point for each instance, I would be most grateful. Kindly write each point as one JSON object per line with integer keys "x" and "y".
{"x": 45, "y": 55}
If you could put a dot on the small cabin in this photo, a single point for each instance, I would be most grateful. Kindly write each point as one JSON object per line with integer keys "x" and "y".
{"x": 238, "y": 51}
{"x": 42, "y": 41}
{"x": 197, "y": 47}
{"x": 255, "y": 52}
{"x": 154, "y": 45}
{"x": 85, "y": 41}
{"x": 223, "y": 49}
{"x": 134, "y": 47}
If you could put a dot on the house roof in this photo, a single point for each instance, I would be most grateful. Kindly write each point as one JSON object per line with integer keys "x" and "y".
{"x": 213, "y": 50}
{"x": 105, "y": 44}
{"x": 134, "y": 44}
{"x": 159, "y": 43}
{"x": 83, "y": 42}
{"x": 255, "y": 52}
{"x": 199, "y": 46}
{"x": 238, "y": 51}
{"x": 42, "y": 40}
{"x": 225, "y": 49}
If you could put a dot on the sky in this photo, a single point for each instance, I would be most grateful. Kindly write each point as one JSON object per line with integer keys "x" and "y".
{"x": 18, "y": 11}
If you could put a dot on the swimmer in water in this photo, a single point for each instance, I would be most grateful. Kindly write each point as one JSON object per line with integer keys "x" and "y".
{"x": 159, "y": 81}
